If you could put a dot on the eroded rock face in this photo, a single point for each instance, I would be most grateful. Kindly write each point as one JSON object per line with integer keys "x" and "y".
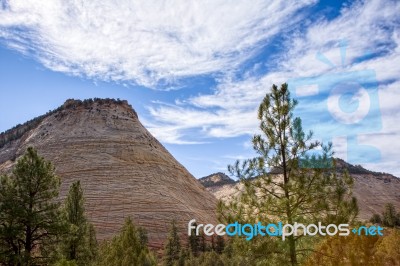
{"x": 372, "y": 189}
{"x": 217, "y": 179}
{"x": 123, "y": 169}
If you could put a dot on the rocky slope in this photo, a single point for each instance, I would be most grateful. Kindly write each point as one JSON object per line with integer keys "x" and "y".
{"x": 217, "y": 179}
{"x": 372, "y": 189}
{"x": 123, "y": 169}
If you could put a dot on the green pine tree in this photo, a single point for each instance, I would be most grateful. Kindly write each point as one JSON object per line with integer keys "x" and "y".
{"x": 126, "y": 248}
{"x": 79, "y": 243}
{"x": 92, "y": 245}
{"x": 305, "y": 190}
{"x": 220, "y": 245}
{"x": 30, "y": 216}
{"x": 143, "y": 236}
{"x": 193, "y": 242}
{"x": 202, "y": 243}
{"x": 376, "y": 219}
{"x": 389, "y": 215}
{"x": 183, "y": 257}
{"x": 10, "y": 228}
{"x": 212, "y": 245}
{"x": 172, "y": 247}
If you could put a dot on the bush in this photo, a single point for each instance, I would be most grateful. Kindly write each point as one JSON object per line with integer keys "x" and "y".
{"x": 376, "y": 219}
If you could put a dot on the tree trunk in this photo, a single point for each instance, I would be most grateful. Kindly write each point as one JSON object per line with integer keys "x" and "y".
{"x": 28, "y": 246}
{"x": 292, "y": 241}
{"x": 292, "y": 248}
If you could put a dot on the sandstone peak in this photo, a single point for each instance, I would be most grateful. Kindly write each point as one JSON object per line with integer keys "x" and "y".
{"x": 123, "y": 169}
{"x": 216, "y": 179}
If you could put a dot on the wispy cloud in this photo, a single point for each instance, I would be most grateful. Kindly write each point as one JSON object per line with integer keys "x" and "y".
{"x": 371, "y": 30}
{"x": 231, "y": 111}
{"x": 159, "y": 43}
{"x": 146, "y": 42}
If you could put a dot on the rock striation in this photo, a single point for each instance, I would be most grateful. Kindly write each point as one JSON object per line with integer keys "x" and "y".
{"x": 123, "y": 169}
{"x": 372, "y": 189}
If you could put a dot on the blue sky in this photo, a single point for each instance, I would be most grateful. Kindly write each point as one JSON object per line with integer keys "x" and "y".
{"x": 195, "y": 71}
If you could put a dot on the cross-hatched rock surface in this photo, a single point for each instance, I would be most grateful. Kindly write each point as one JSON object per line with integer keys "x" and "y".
{"x": 123, "y": 169}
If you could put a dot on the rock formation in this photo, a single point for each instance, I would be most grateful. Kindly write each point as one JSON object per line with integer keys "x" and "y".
{"x": 372, "y": 189}
{"x": 123, "y": 169}
{"x": 217, "y": 179}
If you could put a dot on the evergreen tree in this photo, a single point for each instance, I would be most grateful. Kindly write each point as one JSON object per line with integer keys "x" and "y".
{"x": 212, "y": 247}
{"x": 79, "y": 243}
{"x": 29, "y": 212}
{"x": 92, "y": 245}
{"x": 376, "y": 219}
{"x": 202, "y": 243}
{"x": 10, "y": 228}
{"x": 389, "y": 215}
{"x": 193, "y": 241}
{"x": 305, "y": 190}
{"x": 126, "y": 249}
{"x": 220, "y": 245}
{"x": 143, "y": 236}
{"x": 183, "y": 257}
{"x": 172, "y": 246}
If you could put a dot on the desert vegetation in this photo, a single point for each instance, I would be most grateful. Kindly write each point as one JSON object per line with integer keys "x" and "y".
{"x": 389, "y": 218}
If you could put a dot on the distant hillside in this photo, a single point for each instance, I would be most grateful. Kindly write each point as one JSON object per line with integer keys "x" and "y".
{"x": 342, "y": 166}
{"x": 216, "y": 179}
{"x": 372, "y": 189}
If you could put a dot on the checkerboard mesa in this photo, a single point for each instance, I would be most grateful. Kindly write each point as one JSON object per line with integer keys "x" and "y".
{"x": 123, "y": 169}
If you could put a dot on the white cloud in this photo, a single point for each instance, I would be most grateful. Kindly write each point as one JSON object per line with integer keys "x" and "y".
{"x": 231, "y": 111}
{"x": 147, "y": 42}
{"x": 371, "y": 26}
{"x": 158, "y": 42}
